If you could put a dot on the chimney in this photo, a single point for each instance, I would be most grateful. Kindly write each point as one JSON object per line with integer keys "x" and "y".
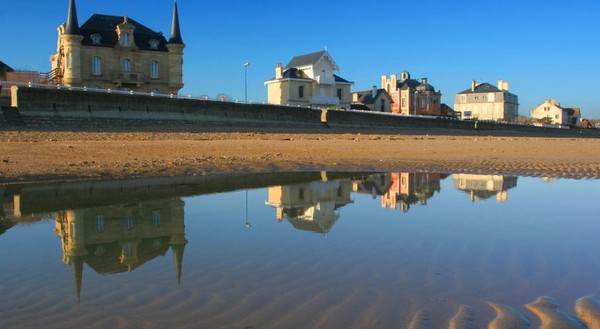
{"x": 424, "y": 81}
{"x": 473, "y": 85}
{"x": 374, "y": 92}
{"x": 279, "y": 71}
{"x": 503, "y": 85}
{"x": 506, "y": 85}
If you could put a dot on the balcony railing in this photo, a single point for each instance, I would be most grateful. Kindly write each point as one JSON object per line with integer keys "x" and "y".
{"x": 128, "y": 77}
{"x": 325, "y": 80}
{"x": 324, "y": 100}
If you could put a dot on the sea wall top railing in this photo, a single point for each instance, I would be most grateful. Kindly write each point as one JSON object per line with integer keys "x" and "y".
{"x": 5, "y": 88}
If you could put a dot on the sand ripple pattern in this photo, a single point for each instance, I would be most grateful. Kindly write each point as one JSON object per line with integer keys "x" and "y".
{"x": 544, "y": 309}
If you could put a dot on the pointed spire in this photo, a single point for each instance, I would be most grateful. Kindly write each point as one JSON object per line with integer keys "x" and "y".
{"x": 178, "y": 258}
{"x": 72, "y": 26}
{"x": 175, "y": 31}
{"x": 77, "y": 266}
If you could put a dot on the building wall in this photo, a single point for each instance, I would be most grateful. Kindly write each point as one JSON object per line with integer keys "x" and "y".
{"x": 75, "y": 62}
{"x": 551, "y": 110}
{"x": 495, "y": 106}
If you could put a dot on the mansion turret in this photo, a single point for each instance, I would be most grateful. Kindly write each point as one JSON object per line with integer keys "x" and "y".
{"x": 114, "y": 52}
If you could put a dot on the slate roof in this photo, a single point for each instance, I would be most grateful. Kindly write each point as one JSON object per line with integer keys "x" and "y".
{"x": 482, "y": 88}
{"x": 5, "y": 68}
{"x": 366, "y": 97}
{"x": 341, "y": 80}
{"x": 106, "y": 26}
{"x": 304, "y": 60}
{"x": 408, "y": 83}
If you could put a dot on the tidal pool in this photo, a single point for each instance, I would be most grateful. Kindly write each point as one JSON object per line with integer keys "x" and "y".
{"x": 301, "y": 250}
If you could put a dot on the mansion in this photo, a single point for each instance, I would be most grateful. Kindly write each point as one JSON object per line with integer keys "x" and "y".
{"x": 310, "y": 81}
{"x": 484, "y": 101}
{"x": 113, "y": 52}
{"x": 410, "y": 96}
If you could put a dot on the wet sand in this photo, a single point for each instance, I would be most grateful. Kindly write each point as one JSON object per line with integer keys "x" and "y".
{"x": 50, "y": 155}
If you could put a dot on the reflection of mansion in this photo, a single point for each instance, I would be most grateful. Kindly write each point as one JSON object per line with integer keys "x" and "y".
{"x": 410, "y": 188}
{"x": 311, "y": 206}
{"x": 400, "y": 190}
{"x": 309, "y": 80}
{"x": 482, "y": 187}
{"x": 121, "y": 238}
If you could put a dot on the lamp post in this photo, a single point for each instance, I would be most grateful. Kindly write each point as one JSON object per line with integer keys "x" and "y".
{"x": 246, "y": 65}
{"x": 247, "y": 223}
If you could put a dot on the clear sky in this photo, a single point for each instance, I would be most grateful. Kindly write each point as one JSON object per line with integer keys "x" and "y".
{"x": 545, "y": 49}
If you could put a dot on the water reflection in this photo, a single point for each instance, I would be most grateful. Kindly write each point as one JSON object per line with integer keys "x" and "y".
{"x": 483, "y": 187}
{"x": 400, "y": 190}
{"x": 311, "y": 206}
{"x": 120, "y": 238}
{"x": 123, "y": 226}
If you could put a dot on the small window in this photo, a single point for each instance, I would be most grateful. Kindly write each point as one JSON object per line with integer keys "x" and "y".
{"x": 128, "y": 223}
{"x": 339, "y": 93}
{"x": 125, "y": 40}
{"x": 96, "y": 39}
{"x": 154, "y": 70}
{"x": 70, "y": 60}
{"x": 96, "y": 66}
{"x": 126, "y": 65}
{"x": 301, "y": 92}
{"x": 153, "y": 44}
{"x": 382, "y": 108}
{"x": 301, "y": 194}
{"x": 156, "y": 218}
{"x": 99, "y": 223}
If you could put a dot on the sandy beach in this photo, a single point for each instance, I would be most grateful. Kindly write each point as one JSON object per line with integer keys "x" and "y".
{"x": 49, "y": 155}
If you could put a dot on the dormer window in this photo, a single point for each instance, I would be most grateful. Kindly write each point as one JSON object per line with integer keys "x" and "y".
{"x": 125, "y": 40}
{"x": 96, "y": 39}
{"x": 153, "y": 44}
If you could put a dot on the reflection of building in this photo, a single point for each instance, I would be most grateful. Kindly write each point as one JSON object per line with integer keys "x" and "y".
{"x": 311, "y": 206}
{"x": 118, "y": 52}
{"x": 482, "y": 187}
{"x": 411, "y": 96}
{"x": 485, "y": 102}
{"x": 400, "y": 190}
{"x": 121, "y": 238}
{"x": 309, "y": 80}
{"x": 410, "y": 188}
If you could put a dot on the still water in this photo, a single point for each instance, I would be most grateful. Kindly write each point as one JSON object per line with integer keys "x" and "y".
{"x": 300, "y": 250}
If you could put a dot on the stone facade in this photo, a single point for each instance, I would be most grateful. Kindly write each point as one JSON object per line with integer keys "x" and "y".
{"x": 411, "y": 96}
{"x": 309, "y": 80}
{"x": 112, "y": 52}
{"x": 551, "y": 111}
{"x": 485, "y": 102}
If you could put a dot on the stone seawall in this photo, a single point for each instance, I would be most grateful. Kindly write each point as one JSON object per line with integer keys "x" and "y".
{"x": 43, "y": 106}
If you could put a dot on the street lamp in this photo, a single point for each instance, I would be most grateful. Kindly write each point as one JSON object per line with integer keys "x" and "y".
{"x": 246, "y": 65}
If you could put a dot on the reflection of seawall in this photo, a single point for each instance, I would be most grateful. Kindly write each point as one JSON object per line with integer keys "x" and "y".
{"x": 482, "y": 187}
{"x": 44, "y": 198}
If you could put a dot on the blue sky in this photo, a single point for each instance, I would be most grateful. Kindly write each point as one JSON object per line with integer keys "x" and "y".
{"x": 545, "y": 49}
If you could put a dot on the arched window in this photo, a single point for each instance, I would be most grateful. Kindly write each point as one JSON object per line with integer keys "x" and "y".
{"x": 154, "y": 74}
{"x": 96, "y": 66}
{"x": 126, "y": 65}
{"x": 125, "y": 40}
